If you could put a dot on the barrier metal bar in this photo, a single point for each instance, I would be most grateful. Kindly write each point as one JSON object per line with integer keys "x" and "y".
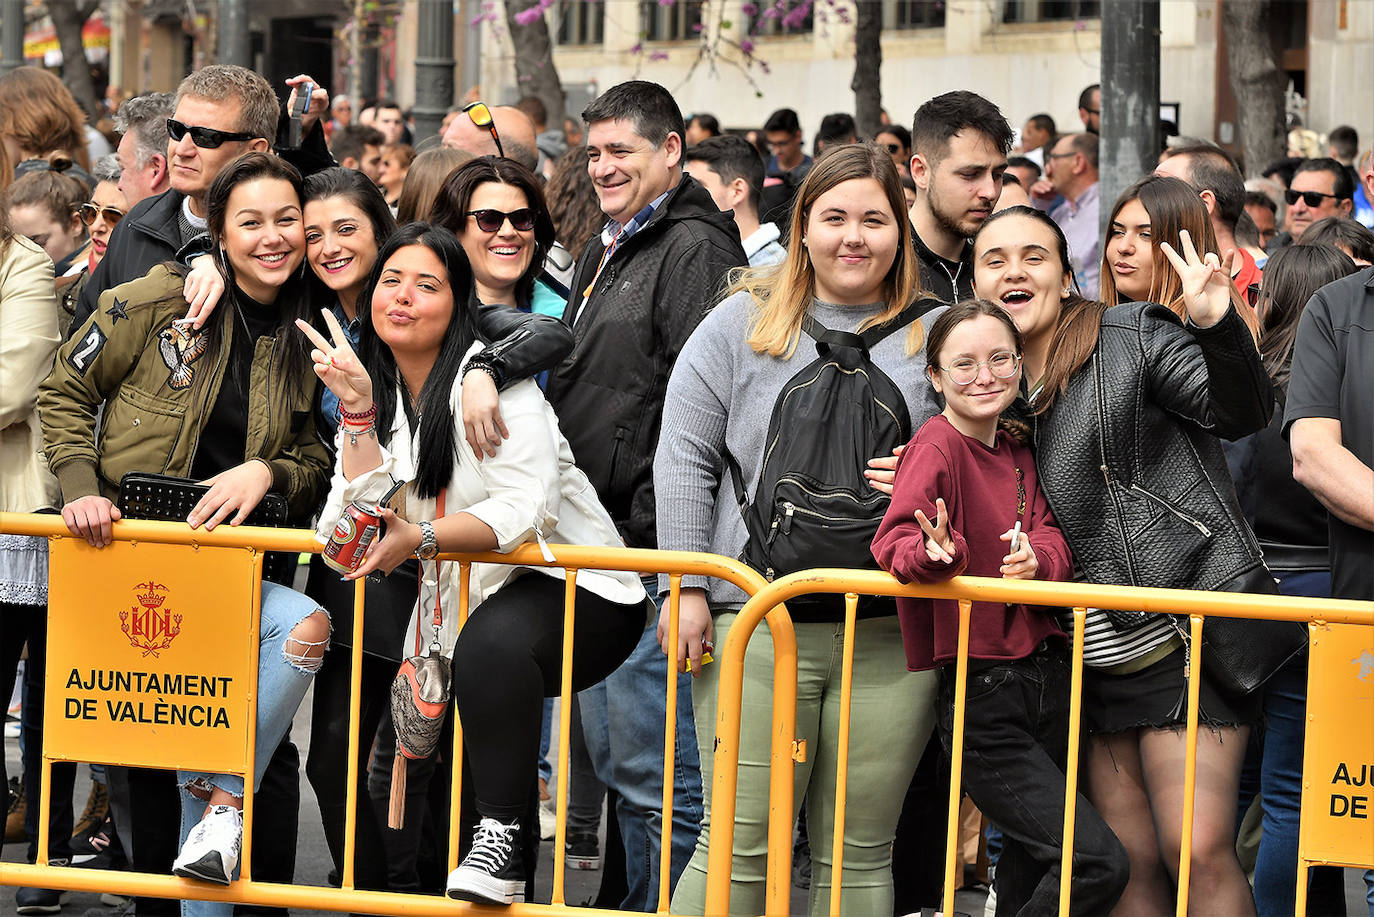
{"x": 560, "y": 852}
{"x": 245, "y": 890}
{"x": 1078, "y": 596}
{"x": 956, "y": 765}
{"x": 1192, "y": 671}
{"x": 1080, "y": 618}
{"x": 851, "y": 607}
{"x": 254, "y": 629}
{"x": 355, "y": 700}
{"x": 665, "y": 861}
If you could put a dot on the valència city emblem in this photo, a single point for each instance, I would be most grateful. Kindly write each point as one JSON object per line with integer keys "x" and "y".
{"x": 148, "y": 625}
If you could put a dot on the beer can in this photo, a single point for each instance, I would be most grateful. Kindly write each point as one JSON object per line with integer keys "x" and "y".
{"x": 357, "y": 526}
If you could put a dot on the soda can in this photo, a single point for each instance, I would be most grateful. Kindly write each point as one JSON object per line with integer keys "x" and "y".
{"x": 357, "y": 526}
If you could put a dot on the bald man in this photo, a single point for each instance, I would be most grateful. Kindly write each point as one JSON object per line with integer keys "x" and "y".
{"x": 514, "y": 126}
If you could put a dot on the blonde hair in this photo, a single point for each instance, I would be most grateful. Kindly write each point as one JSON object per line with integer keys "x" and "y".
{"x": 782, "y": 293}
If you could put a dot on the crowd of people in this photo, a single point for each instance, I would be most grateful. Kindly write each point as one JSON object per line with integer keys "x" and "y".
{"x": 915, "y": 351}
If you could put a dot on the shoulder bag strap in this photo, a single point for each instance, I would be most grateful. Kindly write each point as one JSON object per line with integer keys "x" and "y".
{"x": 438, "y": 588}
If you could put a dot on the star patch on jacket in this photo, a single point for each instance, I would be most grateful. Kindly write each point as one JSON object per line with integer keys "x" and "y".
{"x": 118, "y": 311}
{"x": 179, "y": 347}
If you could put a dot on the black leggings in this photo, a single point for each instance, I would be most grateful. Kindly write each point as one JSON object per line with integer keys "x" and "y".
{"x": 509, "y": 658}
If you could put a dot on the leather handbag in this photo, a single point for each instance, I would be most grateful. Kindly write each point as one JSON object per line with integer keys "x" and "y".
{"x": 419, "y": 702}
{"x": 1241, "y": 654}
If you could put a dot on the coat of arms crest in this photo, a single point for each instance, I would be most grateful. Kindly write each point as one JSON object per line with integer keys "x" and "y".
{"x": 148, "y": 625}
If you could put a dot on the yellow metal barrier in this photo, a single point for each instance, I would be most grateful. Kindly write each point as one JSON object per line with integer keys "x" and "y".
{"x": 1319, "y": 614}
{"x": 348, "y": 897}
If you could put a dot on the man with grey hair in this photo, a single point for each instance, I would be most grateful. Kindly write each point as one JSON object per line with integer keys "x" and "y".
{"x": 220, "y": 112}
{"x": 142, "y": 149}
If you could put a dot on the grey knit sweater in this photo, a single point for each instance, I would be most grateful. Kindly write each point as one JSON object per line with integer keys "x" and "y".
{"x": 721, "y": 395}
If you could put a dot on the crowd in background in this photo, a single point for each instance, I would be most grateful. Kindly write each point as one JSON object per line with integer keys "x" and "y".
{"x": 607, "y": 333}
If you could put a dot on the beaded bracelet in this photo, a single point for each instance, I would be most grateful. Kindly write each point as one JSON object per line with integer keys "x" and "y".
{"x": 362, "y": 417}
{"x": 486, "y": 368}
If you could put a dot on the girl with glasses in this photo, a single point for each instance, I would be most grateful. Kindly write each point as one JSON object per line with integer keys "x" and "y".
{"x": 966, "y": 501}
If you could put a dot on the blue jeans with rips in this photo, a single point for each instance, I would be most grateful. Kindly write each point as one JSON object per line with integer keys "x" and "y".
{"x": 284, "y": 676}
{"x": 622, "y": 720}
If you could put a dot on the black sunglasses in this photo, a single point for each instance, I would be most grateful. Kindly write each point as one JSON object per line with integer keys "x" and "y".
{"x": 207, "y": 138}
{"x": 90, "y": 210}
{"x": 481, "y": 117}
{"x": 893, "y": 148}
{"x": 1310, "y": 198}
{"x": 521, "y": 220}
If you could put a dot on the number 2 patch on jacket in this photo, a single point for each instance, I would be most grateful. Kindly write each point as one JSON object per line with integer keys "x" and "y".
{"x": 84, "y": 355}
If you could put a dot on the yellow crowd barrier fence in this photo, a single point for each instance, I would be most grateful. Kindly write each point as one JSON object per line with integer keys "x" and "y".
{"x": 158, "y": 573}
{"x": 1341, "y": 702}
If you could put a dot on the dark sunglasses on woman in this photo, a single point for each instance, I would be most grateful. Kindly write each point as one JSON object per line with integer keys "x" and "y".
{"x": 90, "y": 210}
{"x": 207, "y": 138}
{"x": 521, "y": 220}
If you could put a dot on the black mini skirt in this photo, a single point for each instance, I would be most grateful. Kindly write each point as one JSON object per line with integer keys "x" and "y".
{"x": 1156, "y": 697}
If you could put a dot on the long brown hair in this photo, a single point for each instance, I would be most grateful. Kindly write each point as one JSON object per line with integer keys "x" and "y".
{"x": 1074, "y": 337}
{"x": 39, "y": 112}
{"x": 782, "y": 293}
{"x": 424, "y": 178}
{"x": 1291, "y": 276}
{"x": 1173, "y": 206}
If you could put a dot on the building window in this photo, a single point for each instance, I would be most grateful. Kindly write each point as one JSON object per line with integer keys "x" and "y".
{"x": 914, "y": 14}
{"x": 679, "y": 21}
{"x": 581, "y": 22}
{"x": 780, "y": 17}
{"x": 1050, "y": 10}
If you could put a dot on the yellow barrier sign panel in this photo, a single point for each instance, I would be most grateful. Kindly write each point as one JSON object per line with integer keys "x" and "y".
{"x": 151, "y": 654}
{"x": 1338, "y": 765}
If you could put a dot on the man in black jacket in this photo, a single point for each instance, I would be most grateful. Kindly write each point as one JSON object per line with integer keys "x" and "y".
{"x": 959, "y": 146}
{"x": 221, "y": 112}
{"x": 637, "y": 293}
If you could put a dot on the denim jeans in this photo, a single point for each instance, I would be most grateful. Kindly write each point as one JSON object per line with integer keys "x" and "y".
{"x": 1285, "y": 715}
{"x": 892, "y": 712}
{"x": 282, "y": 683}
{"x": 1015, "y": 748}
{"x": 622, "y": 721}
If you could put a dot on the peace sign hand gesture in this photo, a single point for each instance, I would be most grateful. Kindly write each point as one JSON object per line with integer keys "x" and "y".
{"x": 338, "y": 366}
{"x": 1206, "y": 280}
{"x": 939, "y": 543}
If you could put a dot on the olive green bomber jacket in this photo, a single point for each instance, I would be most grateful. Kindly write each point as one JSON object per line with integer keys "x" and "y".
{"x": 158, "y": 386}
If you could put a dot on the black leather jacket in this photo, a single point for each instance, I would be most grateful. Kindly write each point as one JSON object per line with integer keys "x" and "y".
{"x": 1130, "y": 460}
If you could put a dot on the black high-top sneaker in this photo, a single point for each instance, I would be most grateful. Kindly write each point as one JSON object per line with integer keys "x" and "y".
{"x": 493, "y": 872}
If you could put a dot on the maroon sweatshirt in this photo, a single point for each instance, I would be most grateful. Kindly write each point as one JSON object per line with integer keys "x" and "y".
{"x": 986, "y": 490}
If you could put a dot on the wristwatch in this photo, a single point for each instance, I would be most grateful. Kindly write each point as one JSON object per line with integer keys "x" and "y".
{"x": 429, "y": 545}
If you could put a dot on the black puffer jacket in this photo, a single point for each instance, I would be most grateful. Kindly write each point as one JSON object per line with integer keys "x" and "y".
{"x": 652, "y": 293}
{"x": 1130, "y": 460}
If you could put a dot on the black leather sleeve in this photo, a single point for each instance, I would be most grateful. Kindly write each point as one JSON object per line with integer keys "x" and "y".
{"x": 524, "y": 344}
{"x": 1212, "y": 376}
{"x": 313, "y": 154}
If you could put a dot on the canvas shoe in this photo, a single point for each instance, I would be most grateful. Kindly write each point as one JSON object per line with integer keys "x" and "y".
{"x": 493, "y": 872}
{"x": 582, "y": 851}
{"x": 211, "y": 853}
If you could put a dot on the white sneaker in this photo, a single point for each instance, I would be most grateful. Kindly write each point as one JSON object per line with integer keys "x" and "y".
{"x": 548, "y": 823}
{"x": 211, "y": 853}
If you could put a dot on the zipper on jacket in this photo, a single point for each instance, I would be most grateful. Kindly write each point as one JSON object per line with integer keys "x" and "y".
{"x": 1195, "y": 523}
{"x": 1128, "y": 556}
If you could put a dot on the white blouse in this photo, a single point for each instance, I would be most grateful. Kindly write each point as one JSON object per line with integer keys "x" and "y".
{"x": 529, "y": 491}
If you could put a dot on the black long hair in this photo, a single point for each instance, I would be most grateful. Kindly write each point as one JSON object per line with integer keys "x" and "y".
{"x": 438, "y": 449}
{"x": 451, "y": 207}
{"x": 359, "y": 190}
{"x": 1291, "y": 276}
{"x": 294, "y": 298}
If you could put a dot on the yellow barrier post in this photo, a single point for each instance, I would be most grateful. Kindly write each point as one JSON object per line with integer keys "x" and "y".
{"x": 1185, "y": 847}
{"x": 665, "y": 861}
{"x": 1080, "y": 617}
{"x": 851, "y": 606}
{"x": 560, "y": 837}
{"x": 455, "y": 801}
{"x": 956, "y": 767}
{"x": 355, "y": 693}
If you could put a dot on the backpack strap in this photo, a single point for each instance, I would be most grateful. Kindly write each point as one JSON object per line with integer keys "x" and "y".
{"x": 868, "y": 339}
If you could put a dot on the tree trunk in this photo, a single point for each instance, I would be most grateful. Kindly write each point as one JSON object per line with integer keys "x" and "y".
{"x": 68, "y": 20}
{"x": 534, "y": 70}
{"x": 1256, "y": 80}
{"x": 868, "y": 59}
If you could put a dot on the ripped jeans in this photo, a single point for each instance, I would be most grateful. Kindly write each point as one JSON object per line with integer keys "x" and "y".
{"x": 284, "y": 674}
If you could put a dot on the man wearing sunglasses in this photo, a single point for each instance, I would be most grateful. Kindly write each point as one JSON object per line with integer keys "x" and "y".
{"x": 220, "y": 113}
{"x": 1320, "y": 188}
{"x": 639, "y": 290}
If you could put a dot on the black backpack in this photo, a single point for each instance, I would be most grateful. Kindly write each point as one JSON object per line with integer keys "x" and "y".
{"x": 813, "y": 507}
